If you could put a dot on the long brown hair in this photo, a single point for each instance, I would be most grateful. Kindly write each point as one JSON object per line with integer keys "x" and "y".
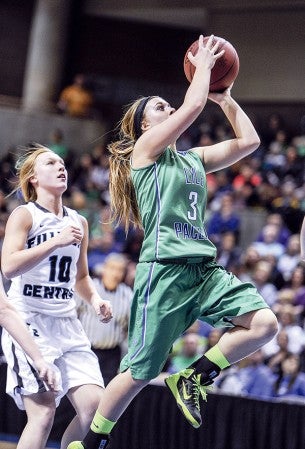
{"x": 124, "y": 207}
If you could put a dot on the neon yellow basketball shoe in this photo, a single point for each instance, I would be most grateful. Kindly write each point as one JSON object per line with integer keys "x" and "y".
{"x": 186, "y": 389}
{"x": 80, "y": 445}
{"x": 76, "y": 445}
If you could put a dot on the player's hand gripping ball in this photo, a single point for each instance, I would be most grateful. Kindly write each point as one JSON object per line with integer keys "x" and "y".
{"x": 225, "y": 69}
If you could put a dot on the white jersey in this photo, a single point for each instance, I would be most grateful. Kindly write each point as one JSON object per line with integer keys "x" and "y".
{"x": 48, "y": 288}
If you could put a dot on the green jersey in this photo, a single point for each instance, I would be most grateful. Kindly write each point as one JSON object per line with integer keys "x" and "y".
{"x": 172, "y": 195}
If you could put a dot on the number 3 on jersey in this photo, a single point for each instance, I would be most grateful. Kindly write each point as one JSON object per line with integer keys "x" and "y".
{"x": 192, "y": 214}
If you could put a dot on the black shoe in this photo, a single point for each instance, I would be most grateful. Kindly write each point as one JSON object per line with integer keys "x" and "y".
{"x": 186, "y": 388}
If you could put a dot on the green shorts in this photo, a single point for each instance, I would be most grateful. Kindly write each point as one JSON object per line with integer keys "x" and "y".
{"x": 168, "y": 298}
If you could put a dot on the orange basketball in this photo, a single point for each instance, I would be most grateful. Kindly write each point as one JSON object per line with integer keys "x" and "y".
{"x": 225, "y": 69}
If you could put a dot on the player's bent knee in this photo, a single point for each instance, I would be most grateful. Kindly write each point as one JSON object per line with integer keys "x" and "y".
{"x": 270, "y": 325}
{"x": 44, "y": 419}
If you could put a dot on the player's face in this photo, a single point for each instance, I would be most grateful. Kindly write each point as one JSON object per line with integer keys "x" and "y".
{"x": 50, "y": 172}
{"x": 157, "y": 111}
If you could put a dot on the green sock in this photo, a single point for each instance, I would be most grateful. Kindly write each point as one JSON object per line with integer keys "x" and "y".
{"x": 216, "y": 356}
{"x": 101, "y": 425}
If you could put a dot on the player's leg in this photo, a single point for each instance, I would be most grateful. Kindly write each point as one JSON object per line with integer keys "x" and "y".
{"x": 40, "y": 409}
{"x": 81, "y": 377}
{"x": 29, "y": 391}
{"x": 227, "y": 300}
{"x": 252, "y": 331}
{"x": 115, "y": 399}
{"x": 85, "y": 400}
{"x": 149, "y": 343}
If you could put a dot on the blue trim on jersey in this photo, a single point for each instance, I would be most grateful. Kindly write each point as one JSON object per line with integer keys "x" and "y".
{"x": 159, "y": 209}
{"x": 144, "y": 311}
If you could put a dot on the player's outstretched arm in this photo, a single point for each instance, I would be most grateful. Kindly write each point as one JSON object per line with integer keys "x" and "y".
{"x": 226, "y": 153}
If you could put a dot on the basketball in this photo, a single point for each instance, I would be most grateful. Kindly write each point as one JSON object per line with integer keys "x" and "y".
{"x": 225, "y": 69}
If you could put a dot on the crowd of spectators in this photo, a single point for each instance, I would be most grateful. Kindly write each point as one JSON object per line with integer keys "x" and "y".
{"x": 271, "y": 180}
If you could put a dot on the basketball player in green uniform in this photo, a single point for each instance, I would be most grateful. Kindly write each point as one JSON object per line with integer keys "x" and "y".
{"x": 177, "y": 279}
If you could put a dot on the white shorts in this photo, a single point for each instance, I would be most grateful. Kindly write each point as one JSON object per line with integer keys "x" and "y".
{"x": 62, "y": 342}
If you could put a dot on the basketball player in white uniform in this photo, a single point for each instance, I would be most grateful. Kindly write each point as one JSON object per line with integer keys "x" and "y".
{"x": 45, "y": 255}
